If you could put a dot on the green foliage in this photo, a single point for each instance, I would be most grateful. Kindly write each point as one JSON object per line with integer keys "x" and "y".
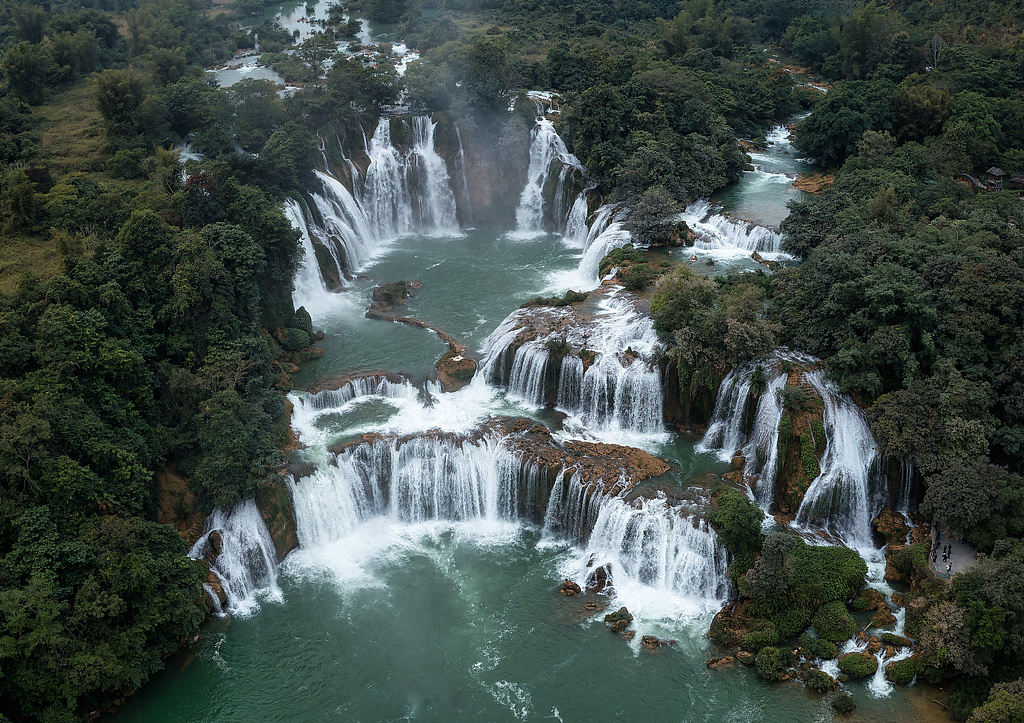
{"x": 843, "y": 703}
{"x": 791, "y": 577}
{"x": 772, "y": 663}
{"x": 1005, "y": 704}
{"x": 757, "y": 639}
{"x": 622, "y": 255}
{"x": 834, "y": 623}
{"x": 901, "y": 672}
{"x": 653, "y": 220}
{"x": 818, "y": 681}
{"x": 858, "y": 665}
{"x": 737, "y": 521}
{"x": 637, "y": 277}
{"x": 570, "y": 297}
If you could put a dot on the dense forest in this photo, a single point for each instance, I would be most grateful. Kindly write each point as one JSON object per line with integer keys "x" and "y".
{"x": 146, "y": 310}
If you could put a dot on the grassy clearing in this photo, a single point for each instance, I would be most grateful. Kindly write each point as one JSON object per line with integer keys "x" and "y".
{"x": 20, "y": 255}
{"x": 72, "y": 132}
{"x": 72, "y": 138}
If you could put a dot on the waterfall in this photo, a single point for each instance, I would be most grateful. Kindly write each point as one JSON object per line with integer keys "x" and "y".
{"x": 606, "y": 233}
{"x": 576, "y": 222}
{"x": 725, "y": 236}
{"x": 408, "y": 191}
{"x": 735, "y": 428}
{"x": 247, "y": 563}
{"x": 309, "y": 289}
{"x": 660, "y": 546}
{"x": 344, "y": 221}
{"x": 620, "y": 390}
{"x": 458, "y": 479}
{"x": 385, "y": 193}
{"x": 466, "y": 198}
{"x": 436, "y": 202}
{"x": 844, "y": 497}
{"x": 545, "y": 149}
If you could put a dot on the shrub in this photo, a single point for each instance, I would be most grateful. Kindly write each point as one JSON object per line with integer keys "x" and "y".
{"x": 843, "y": 703}
{"x": 901, "y": 672}
{"x": 833, "y": 622}
{"x": 826, "y": 649}
{"x": 757, "y": 639}
{"x": 818, "y": 681}
{"x": 637, "y": 277}
{"x": 858, "y": 665}
{"x": 772, "y": 663}
{"x": 817, "y": 647}
{"x": 737, "y": 520}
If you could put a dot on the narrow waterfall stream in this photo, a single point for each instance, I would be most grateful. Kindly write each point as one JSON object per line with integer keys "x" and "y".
{"x": 435, "y": 527}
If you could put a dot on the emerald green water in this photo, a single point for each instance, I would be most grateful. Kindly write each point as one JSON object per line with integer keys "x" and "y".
{"x": 462, "y": 621}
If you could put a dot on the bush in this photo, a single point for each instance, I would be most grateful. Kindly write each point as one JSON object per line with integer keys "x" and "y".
{"x": 737, "y": 520}
{"x": 570, "y": 297}
{"x": 901, "y": 672}
{"x": 826, "y": 649}
{"x": 757, "y": 639}
{"x": 817, "y": 647}
{"x": 833, "y": 622}
{"x": 637, "y": 277}
{"x": 818, "y": 681}
{"x": 843, "y": 703}
{"x": 772, "y": 663}
{"x": 858, "y": 665}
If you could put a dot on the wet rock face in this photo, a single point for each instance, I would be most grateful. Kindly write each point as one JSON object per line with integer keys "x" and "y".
{"x": 619, "y": 620}
{"x": 653, "y": 643}
{"x": 718, "y": 663}
{"x": 455, "y": 370}
{"x": 600, "y": 579}
{"x": 569, "y": 588}
{"x": 892, "y": 526}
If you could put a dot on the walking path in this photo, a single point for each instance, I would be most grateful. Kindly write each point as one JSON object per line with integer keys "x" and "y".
{"x": 962, "y": 555}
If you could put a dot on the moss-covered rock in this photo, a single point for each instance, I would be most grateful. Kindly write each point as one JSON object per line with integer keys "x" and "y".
{"x": 858, "y": 665}
{"x": 901, "y": 671}
{"x": 772, "y": 663}
{"x": 843, "y": 703}
{"x": 833, "y": 622}
{"x": 275, "y": 506}
{"x": 818, "y": 681}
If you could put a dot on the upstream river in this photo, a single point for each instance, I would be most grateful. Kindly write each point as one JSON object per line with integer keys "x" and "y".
{"x": 392, "y": 618}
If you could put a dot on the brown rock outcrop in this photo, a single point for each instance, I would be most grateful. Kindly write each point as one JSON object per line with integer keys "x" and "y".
{"x": 569, "y": 588}
{"x": 891, "y": 525}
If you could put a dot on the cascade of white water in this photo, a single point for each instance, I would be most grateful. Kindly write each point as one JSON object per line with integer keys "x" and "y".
{"x": 842, "y": 500}
{"x": 620, "y": 390}
{"x": 309, "y": 285}
{"x": 606, "y": 233}
{"x": 385, "y": 194}
{"x": 752, "y": 433}
{"x": 247, "y": 563}
{"x": 369, "y": 386}
{"x": 436, "y": 201}
{"x": 425, "y": 478}
{"x": 722, "y": 235}
{"x": 576, "y": 222}
{"x": 546, "y": 147}
{"x": 467, "y": 201}
{"x": 660, "y": 546}
{"x": 408, "y": 191}
{"x": 345, "y": 221}
{"x": 905, "y": 502}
